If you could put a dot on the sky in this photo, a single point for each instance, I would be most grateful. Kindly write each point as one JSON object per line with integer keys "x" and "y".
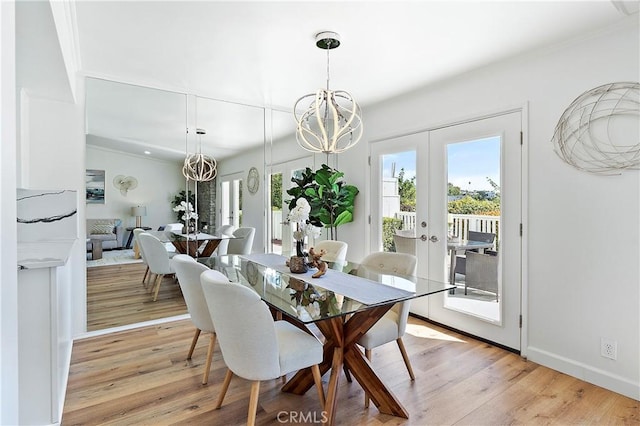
{"x": 469, "y": 163}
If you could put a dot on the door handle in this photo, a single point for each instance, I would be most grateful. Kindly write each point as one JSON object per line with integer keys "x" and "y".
{"x": 434, "y": 239}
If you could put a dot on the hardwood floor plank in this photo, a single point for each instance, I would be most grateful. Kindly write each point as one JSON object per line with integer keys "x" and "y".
{"x": 116, "y": 297}
{"x": 142, "y": 376}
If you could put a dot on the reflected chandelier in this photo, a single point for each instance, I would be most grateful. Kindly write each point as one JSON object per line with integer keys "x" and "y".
{"x": 198, "y": 166}
{"x": 332, "y": 122}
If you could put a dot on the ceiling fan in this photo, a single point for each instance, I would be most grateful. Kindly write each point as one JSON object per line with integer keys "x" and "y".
{"x": 125, "y": 183}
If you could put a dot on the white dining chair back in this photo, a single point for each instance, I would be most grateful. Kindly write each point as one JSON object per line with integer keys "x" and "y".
{"x": 405, "y": 244}
{"x": 136, "y": 232}
{"x": 391, "y": 263}
{"x": 242, "y": 242}
{"x": 188, "y": 272}
{"x": 174, "y": 227}
{"x": 393, "y": 324}
{"x": 246, "y": 331}
{"x": 406, "y": 232}
{"x": 223, "y": 247}
{"x": 157, "y": 258}
{"x": 335, "y": 251}
{"x": 253, "y": 346}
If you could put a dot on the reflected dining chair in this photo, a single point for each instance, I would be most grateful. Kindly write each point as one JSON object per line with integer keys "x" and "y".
{"x": 136, "y": 232}
{"x": 254, "y": 346}
{"x": 224, "y": 244}
{"x": 157, "y": 258}
{"x": 188, "y": 272}
{"x": 174, "y": 227}
{"x": 394, "y": 323}
{"x": 242, "y": 242}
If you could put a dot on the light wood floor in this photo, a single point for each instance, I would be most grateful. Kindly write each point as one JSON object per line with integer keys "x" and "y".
{"x": 141, "y": 376}
{"x": 116, "y": 297}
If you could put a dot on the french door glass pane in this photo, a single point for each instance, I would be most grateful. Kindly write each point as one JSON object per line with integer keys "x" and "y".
{"x": 275, "y": 196}
{"x": 398, "y": 198}
{"x": 473, "y": 214}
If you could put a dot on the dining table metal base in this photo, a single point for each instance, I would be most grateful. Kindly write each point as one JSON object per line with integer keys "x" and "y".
{"x": 342, "y": 352}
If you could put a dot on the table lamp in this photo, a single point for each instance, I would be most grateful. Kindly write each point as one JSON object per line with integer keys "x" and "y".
{"x": 138, "y": 212}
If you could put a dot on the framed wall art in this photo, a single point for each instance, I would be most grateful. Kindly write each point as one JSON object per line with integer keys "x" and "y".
{"x": 94, "y": 180}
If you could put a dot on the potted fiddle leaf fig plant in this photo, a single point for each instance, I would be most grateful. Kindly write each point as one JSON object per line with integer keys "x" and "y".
{"x": 331, "y": 199}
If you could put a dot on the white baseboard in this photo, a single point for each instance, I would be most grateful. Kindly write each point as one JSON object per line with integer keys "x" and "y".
{"x": 588, "y": 373}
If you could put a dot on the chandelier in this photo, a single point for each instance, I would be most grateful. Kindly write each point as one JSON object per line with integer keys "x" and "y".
{"x": 332, "y": 121}
{"x": 198, "y": 166}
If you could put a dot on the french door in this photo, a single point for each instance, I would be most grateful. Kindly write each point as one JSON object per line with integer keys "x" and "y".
{"x": 467, "y": 178}
{"x": 231, "y": 200}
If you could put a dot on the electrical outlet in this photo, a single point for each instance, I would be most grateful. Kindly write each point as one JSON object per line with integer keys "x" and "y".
{"x": 608, "y": 348}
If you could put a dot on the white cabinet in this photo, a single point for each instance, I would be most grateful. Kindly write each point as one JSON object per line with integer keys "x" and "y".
{"x": 44, "y": 343}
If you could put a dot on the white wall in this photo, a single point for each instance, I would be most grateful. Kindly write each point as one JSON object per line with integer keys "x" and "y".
{"x": 158, "y": 182}
{"x": 52, "y": 135}
{"x": 583, "y": 275}
{"x": 8, "y": 241}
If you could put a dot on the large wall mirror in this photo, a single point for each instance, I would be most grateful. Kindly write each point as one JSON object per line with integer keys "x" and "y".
{"x": 140, "y": 132}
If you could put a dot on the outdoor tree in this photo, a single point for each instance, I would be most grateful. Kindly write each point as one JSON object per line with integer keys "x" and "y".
{"x": 407, "y": 192}
{"x": 276, "y": 191}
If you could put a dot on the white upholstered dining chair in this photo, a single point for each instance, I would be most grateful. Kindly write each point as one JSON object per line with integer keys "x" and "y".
{"x": 188, "y": 272}
{"x": 254, "y": 346}
{"x": 242, "y": 242}
{"x": 335, "y": 251}
{"x": 157, "y": 258}
{"x": 174, "y": 227}
{"x": 394, "y": 323}
{"x": 405, "y": 244}
{"x": 136, "y": 232}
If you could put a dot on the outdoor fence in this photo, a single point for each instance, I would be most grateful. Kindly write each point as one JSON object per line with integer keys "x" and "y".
{"x": 460, "y": 224}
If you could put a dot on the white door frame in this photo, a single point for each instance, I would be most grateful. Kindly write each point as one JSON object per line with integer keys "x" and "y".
{"x": 402, "y": 141}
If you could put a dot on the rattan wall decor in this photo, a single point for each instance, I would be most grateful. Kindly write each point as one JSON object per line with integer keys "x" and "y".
{"x": 600, "y": 131}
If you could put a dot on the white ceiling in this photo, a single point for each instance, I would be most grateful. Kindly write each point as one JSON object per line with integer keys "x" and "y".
{"x": 263, "y": 54}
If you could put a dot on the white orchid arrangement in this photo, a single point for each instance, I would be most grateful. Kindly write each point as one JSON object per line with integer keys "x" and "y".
{"x": 189, "y": 212}
{"x": 300, "y": 216}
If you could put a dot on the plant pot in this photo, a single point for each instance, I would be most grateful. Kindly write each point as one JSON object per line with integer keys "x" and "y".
{"x": 298, "y": 265}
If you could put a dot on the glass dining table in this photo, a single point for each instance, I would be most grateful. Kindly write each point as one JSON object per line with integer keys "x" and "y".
{"x": 343, "y": 304}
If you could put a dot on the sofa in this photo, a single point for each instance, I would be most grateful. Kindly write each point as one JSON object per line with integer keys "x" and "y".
{"x": 109, "y": 231}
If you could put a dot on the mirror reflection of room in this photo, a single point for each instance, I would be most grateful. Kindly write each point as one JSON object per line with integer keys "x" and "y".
{"x": 137, "y": 139}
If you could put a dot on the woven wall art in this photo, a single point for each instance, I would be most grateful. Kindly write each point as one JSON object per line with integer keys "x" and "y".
{"x": 600, "y": 131}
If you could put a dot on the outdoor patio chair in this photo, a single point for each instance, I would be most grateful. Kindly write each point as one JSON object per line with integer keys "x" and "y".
{"x": 485, "y": 237}
{"x": 482, "y": 273}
